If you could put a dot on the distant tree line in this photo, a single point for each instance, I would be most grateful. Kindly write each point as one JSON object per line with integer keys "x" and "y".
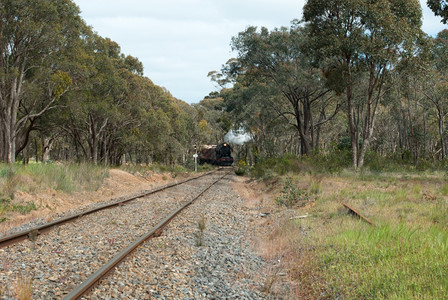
{"x": 353, "y": 75}
{"x": 68, "y": 92}
{"x": 359, "y": 76}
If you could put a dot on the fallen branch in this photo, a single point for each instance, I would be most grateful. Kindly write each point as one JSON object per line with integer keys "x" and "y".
{"x": 355, "y": 212}
{"x": 299, "y": 217}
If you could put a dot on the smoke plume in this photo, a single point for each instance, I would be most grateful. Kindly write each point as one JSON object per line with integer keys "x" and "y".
{"x": 238, "y": 137}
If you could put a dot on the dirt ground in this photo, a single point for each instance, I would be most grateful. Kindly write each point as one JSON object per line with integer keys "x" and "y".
{"x": 50, "y": 203}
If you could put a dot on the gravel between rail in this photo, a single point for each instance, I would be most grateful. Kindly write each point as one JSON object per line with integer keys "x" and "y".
{"x": 174, "y": 266}
{"x": 171, "y": 266}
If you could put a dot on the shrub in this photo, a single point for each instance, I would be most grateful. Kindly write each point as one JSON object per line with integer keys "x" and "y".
{"x": 291, "y": 195}
{"x": 240, "y": 171}
{"x": 278, "y": 165}
{"x": 241, "y": 167}
{"x": 24, "y": 209}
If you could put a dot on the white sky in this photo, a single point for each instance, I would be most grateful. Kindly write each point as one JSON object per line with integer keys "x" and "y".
{"x": 180, "y": 41}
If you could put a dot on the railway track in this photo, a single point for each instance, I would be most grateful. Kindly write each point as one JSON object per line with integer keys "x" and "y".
{"x": 32, "y": 233}
{"x": 74, "y": 264}
{"x": 99, "y": 275}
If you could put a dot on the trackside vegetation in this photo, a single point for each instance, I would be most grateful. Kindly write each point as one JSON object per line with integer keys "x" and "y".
{"x": 329, "y": 253}
{"x": 62, "y": 177}
{"x": 34, "y": 178}
{"x": 394, "y": 261}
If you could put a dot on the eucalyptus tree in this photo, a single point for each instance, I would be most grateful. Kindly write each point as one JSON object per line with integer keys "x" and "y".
{"x": 128, "y": 100}
{"x": 436, "y": 85}
{"x": 440, "y": 8}
{"x": 32, "y": 36}
{"x": 212, "y": 119}
{"x": 98, "y": 94}
{"x": 407, "y": 106}
{"x": 276, "y": 60}
{"x": 362, "y": 37}
{"x": 250, "y": 103}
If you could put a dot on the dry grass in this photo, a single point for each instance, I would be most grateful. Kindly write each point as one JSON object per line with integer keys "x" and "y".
{"x": 199, "y": 235}
{"x": 330, "y": 253}
{"x": 23, "y": 288}
{"x": 50, "y": 202}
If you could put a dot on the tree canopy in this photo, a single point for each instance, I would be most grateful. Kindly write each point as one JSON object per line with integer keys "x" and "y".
{"x": 68, "y": 91}
{"x": 321, "y": 85}
{"x": 440, "y": 8}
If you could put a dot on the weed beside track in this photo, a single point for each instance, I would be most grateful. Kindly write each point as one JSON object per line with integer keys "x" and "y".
{"x": 325, "y": 252}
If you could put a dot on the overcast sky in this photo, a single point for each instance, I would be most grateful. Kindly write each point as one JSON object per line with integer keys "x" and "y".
{"x": 180, "y": 41}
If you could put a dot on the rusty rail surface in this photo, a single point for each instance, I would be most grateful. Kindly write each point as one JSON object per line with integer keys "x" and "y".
{"x": 95, "y": 278}
{"x": 32, "y": 233}
{"x": 355, "y": 212}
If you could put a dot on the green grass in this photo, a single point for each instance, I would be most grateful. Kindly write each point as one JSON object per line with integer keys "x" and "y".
{"x": 24, "y": 208}
{"x": 62, "y": 177}
{"x": 339, "y": 257}
{"x": 386, "y": 262}
{"x": 33, "y": 178}
{"x": 444, "y": 190}
{"x": 6, "y": 205}
{"x": 439, "y": 215}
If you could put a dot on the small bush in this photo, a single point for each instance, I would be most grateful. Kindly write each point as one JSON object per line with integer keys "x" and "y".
{"x": 241, "y": 167}
{"x": 292, "y": 196}
{"x": 328, "y": 163}
{"x": 240, "y": 171}
{"x": 24, "y": 209}
{"x": 280, "y": 165}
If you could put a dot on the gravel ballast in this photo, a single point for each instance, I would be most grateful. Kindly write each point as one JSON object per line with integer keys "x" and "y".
{"x": 185, "y": 262}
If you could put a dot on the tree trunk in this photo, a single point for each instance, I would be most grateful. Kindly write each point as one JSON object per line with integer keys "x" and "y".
{"x": 47, "y": 145}
{"x": 442, "y": 136}
{"x": 352, "y": 127}
{"x": 37, "y": 150}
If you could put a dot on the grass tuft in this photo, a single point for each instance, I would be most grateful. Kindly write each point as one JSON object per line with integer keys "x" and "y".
{"x": 199, "y": 235}
{"x": 23, "y": 288}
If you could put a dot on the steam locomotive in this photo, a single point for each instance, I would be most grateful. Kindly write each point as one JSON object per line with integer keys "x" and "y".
{"x": 216, "y": 154}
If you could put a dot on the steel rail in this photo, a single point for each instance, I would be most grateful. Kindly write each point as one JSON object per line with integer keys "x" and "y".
{"x": 32, "y": 233}
{"x": 95, "y": 278}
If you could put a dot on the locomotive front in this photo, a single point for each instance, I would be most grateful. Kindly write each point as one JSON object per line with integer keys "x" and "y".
{"x": 223, "y": 155}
